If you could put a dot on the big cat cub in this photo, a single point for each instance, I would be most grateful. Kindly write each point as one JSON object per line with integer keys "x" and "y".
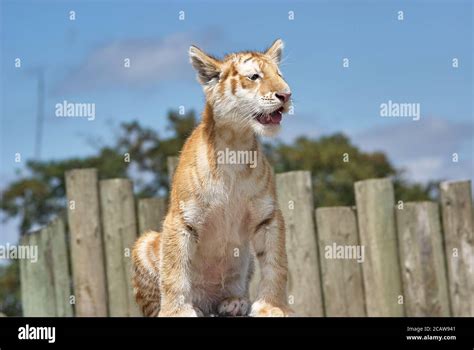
{"x": 223, "y": 210}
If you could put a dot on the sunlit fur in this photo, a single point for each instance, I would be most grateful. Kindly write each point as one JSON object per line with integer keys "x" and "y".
{"x": 220, "y": 215}
{"x": 234, "y": 97}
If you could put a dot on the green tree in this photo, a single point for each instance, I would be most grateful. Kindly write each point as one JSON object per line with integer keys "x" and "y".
{"x": 334, "y": 162}
{"x": 149, "y": 153}
{"x": 41, "y": 195}
{"x": 10, "y": 289}
{"x": 335, "y": 165}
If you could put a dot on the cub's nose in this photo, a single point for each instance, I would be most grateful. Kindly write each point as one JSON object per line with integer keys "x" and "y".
{"x": 283, "y": 96}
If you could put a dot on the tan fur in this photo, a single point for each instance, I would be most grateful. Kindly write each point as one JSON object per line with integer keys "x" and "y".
{"x": 220, "y": 215}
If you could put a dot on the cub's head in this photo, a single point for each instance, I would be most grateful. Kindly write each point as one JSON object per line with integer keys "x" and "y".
{"x": 245, "y": 89}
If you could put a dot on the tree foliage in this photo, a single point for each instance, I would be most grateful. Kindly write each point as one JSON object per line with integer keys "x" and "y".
{"x": 10, "y": 289}
{"x": 37, "y": 197}
{"x": 140, "y": 153}
{"x": 335, "y": 164}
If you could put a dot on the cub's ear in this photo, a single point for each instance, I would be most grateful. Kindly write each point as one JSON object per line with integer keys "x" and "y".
{"x": 275, "y": 51}
{"x": 207, "y": 67}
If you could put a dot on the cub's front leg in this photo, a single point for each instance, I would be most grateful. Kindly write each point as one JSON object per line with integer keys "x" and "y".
{"x": 269, "y": 246}
{"x": 175, "y": 286}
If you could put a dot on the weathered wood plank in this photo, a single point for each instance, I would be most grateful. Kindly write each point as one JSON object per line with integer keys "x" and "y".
{"x": 172, "y": 163}
{"x": 120, "y": 232}
{"x": 381, "y": 270}
{"x": 422, "y": 260}
{"x": 38, "y": 295}
{"x": 295, "y": 197}
{"x": 341, "y": 257}
{"x": 459, "y": 244}
{"x": 26, "y": 285}
{"x": 151, "y": 213}
{"x": 60, "y": 267}
{"x": 25, "y": 288}
{"x": 255, "y": 279}
{"x": 87, "y": 259}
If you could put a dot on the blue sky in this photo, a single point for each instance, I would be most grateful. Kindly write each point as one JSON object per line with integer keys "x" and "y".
{"x": 402, "y": 61}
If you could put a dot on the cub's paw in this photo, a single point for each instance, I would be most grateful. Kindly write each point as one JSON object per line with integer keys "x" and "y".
{"x": 233, "y": 307}
{"x": 182, "y": 312}
{"x": 263, "y": 309}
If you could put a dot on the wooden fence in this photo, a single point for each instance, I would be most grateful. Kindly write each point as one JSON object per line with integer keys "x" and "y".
{"x": 379, "y": 258}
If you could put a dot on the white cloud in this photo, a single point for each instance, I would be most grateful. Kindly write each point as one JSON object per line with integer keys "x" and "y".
{"x": 423, "y": 168}
{"x": 424, "y": 148}
{"x": 151, "y": 61}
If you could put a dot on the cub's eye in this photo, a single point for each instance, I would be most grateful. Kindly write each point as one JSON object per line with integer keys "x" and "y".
{"x": 254, "y": 77}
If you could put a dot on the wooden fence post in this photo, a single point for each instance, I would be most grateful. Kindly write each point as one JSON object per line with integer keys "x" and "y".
{"x": 172, "y": 163}
{"x": 120, "y": 232}
{"x": 422, "y": 260}
{"x": 381, "y": 271}
{"x": 342, "y": 282}
{"x": 37, "y": 281}
{"x": 60, "y": 259}
{"x": 295, "y": 196}
{"x": 25, "y": 284}
{"x": 255, "y": 280}
{"x": 459, "y": 244}
{"x": 87, "y": 259}
{"x": 151, "y": 212}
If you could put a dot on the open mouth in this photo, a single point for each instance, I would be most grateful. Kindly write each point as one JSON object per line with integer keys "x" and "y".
{"x": 273, "y": 118}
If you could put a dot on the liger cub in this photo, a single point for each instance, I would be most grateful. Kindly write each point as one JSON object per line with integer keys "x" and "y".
{"x": 223, "y": 211}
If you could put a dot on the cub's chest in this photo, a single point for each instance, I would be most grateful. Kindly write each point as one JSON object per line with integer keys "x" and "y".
{"x": 222, "y": 251}
{"x": 226, "y": 210}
